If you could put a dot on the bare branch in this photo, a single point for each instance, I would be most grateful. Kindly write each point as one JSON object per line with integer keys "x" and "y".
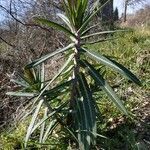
{"x": 22, "y": 23}
{"x": 7, "y": 42}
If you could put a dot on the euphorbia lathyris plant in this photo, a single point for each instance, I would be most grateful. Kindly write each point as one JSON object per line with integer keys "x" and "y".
{"x": 70, "y": 102}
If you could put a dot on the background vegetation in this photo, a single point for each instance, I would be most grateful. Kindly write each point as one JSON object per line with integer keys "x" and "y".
{"x": 131, "y": 49}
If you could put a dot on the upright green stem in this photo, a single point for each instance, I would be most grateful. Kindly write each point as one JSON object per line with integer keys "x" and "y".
{"x": 76, "y": 60}
{"x": 74, "y": 76}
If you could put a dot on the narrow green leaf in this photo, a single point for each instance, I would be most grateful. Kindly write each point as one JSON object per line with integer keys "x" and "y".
{"x": 126, "y": 72}
{"x": 80, "y": 118}
{"x": 57, "y": 75}
{"x": 98, "y": 41}
{"x": 68, "y": 69}
{"x": 25, "y": 79}
{"x": 89, "y": 17}
{"x": 95, "y": 134}
{"x": 88, "y": 29}
{"x": 68, "y": 12}
{"x": 29, "y": 75}
{"x": 22, "y": 94}
{"x": 27, "y": 112}
{"x": 48, "y": 116}
{"x": 101, "y": 33}
{"x": 85, "y": 116}
{"x": 73, "y": 135}
{"x": 42, "y": 75}
{"x": 113, "y": 64}
{"x": 34, "y": 117}
{"x": 55, "y": 25}
{"x": 19, "y": 83}
{"x": 44, "y": 58}
{"x": 51, "y": 126}
{"x": 66, "y": 21}
{"x": 84, "y": 5}
{"x": 71, "y": 6}
{"x": 88, "y": 105}
{"x": 81, "y": 124}
{"x": 81, "y": 10}
{"x": 95, "y": 5}
{"x": 43, "y": 125}
{"x": 105, "y": 86}
{"x": 58, "y": 89}
{"x": 88, "y": 101}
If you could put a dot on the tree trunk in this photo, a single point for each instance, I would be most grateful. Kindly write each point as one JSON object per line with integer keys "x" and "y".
{"x": 107, "y": 13}
{"x": 125, "y": 11}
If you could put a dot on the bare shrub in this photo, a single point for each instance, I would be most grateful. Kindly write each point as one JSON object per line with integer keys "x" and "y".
{"x": 22, "y": 40}
{"x": 140, "y": 18}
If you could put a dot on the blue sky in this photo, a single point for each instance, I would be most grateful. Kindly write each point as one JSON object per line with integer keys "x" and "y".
{"x": 117, "y": 3}
{"x": 131, "y": 9}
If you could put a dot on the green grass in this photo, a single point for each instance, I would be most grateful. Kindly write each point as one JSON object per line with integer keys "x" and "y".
{"x": 11, "y": 140}
{"x": 132, "y": 50}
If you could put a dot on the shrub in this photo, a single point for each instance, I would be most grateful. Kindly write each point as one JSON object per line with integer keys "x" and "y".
{"x": 69, "y": 104}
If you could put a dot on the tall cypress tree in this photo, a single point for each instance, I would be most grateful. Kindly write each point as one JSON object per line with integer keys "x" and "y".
{"x": 107, "y": 13}
{"x": 116, "y": 14}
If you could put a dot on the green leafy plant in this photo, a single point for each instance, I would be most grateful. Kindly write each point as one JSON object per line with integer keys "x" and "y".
{"x": 70, "y": 103}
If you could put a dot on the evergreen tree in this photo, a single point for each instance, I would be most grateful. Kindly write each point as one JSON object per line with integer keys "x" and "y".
{"x": 116, "y": 14}
{"x": 107, "y": 13}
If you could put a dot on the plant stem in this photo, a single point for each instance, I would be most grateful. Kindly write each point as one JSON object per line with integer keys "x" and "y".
{"x": 74, "y": 77}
